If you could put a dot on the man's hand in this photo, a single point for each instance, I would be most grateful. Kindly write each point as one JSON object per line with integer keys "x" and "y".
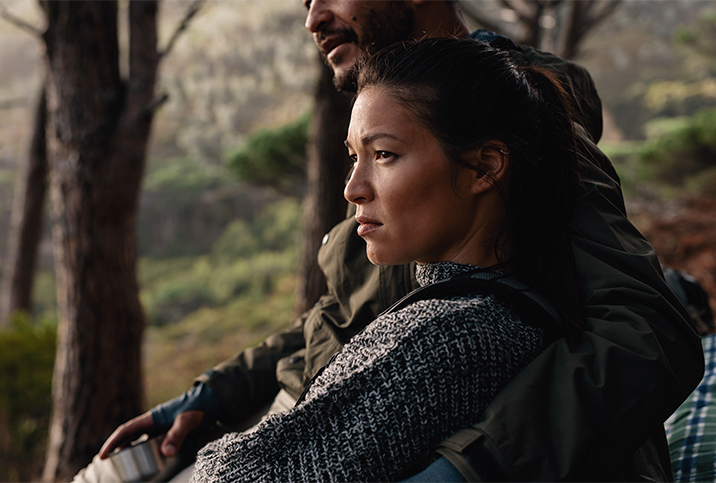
{"x": 132, "y": 429}
{"x": 183, "y": 424}
{"x": 127, "y": 433}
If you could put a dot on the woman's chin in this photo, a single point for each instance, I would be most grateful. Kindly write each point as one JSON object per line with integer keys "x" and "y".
{"x": 377, "y": 258}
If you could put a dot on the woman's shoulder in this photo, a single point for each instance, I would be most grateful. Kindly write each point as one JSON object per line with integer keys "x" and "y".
{"x": 474, "y": 314}
{"x": 478, "y": 328}
{"x": 480, "y": 308}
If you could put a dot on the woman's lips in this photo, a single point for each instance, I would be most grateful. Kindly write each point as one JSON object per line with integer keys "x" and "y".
{"x": 367, "y": 225}
{"x": 368, "y": 228}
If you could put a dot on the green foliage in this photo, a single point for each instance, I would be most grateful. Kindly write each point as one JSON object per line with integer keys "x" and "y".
{"x": 685, "y": 36}
{"x": 677, "y": 98}
{"x": 700, "y": 35}
{"x": 153, "y": 271}
{"x": 238, "y": 240}
{"x": 27, "y": 356}
{"x": 246, "y": 285}
{"x": 277, "y": 228}
{"x": 683, "y": 151}
{"x": 44, "y": 294}
{"x": 173, "y": 298}
{"x": 624, "y": 157}
{"x": 280, "y": 225}
{"x": 661, "y": 126}
{"x": 705, "y": 182}
{"x": 183, "y": 175}
{"x": 187, "y": 204}
{"x": 245, "y": 261}
{"x": 274, "y": 157}
{"x": 176, "y": 353}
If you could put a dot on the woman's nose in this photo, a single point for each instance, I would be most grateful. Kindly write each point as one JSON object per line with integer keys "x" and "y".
{"x": 358, "y": 189}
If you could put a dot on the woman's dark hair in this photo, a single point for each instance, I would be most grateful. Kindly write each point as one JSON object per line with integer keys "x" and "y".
{"x": 466, "y": 93}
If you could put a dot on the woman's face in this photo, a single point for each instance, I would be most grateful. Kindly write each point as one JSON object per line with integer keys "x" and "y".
{"x": 408, "y": 205}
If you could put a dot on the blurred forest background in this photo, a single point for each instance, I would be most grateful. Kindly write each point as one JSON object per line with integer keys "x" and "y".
{"x": 220, "y": 214}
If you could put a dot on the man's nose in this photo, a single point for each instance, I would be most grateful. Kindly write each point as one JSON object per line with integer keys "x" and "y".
{"x": 319, "y": 15}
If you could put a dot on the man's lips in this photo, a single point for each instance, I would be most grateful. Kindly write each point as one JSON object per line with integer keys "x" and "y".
{"x": 367, "y": 225}
{"x": 331, "y": 43}
{"x": 328, "y": 40}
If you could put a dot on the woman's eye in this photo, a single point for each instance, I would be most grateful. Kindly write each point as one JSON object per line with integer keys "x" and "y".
{"x": 384, "y": 155}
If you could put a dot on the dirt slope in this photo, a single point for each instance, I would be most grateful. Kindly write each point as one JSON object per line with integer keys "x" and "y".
{"x": 684, "y": 236}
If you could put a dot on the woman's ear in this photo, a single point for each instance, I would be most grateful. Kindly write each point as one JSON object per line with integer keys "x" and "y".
{"x": 492, "y": 161}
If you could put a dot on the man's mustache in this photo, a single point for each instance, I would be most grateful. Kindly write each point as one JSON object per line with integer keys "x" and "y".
{"x": 347, "y": 35}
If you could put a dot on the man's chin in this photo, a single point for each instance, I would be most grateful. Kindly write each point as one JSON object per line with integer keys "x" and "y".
{"x": 344, "y": 80}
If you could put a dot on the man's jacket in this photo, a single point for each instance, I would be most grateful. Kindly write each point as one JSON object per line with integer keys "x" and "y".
{"x": 580, "y": 410}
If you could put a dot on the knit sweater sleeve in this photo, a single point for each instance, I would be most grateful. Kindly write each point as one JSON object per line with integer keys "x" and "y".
{"x": 382, "y": 405}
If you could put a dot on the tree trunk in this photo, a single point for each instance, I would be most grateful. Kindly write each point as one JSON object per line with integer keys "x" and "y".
{"x": 584, "y": 17}
{"x": 99, "y": 132}
{"x": 26, "y": 223}
{"x": 324, "y": 205}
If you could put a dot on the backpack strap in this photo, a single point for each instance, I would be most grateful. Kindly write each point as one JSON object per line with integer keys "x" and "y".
{"x": 519, "y": 295}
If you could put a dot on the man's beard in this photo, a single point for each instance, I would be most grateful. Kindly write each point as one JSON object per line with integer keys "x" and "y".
{"x": 347, "y": 82}
{"x": 394, "y": 22}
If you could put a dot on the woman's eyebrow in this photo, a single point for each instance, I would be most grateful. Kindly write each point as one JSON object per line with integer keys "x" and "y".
{"x": 379, "y": 135}
{"x": 368, "y": 138}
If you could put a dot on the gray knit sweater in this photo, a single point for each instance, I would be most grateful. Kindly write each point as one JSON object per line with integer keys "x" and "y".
{"x": 382, "y": 405}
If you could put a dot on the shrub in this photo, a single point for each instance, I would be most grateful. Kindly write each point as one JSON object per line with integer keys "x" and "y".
{"x": 274, "y": 157}
{"x": 279, "y": 225}
{"x": 27, "y": 356}
{"x": 237, "y": 241}
{"x": 277, "y": 228}
{"x": 685, "y": 151}
{"x": 172, "y": 298}
{"x": 184, "y": 175}
{"x": 246, "y": 260}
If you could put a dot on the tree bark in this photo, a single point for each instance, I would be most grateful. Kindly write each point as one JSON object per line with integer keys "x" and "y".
{"x": 323, "y": 205}
{"x": 26, "y": 223}
{"x": 582, "y": 20}
{"x": 100, "y": 127}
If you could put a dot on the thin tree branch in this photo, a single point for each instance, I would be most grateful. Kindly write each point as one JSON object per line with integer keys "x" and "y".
{"x": 584, "y": 19}
{"x": 20, "y": 23}
{"x": 607, "y": 10}
{"x": 524, "y": 15}
{"x": 473, "y": 14}
{"x": 190, "y": 13}
{"x": 156, "y": 104}
{"x": 591, "y": 19}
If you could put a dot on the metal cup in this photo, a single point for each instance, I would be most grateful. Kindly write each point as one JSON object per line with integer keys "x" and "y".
{"x": 140, "y": 461}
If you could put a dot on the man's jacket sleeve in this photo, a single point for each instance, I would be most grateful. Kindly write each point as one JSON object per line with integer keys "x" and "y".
{"x": 248, "y": 380}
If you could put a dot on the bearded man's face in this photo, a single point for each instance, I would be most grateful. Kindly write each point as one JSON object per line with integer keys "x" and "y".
{"x": 345, "y": 31}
